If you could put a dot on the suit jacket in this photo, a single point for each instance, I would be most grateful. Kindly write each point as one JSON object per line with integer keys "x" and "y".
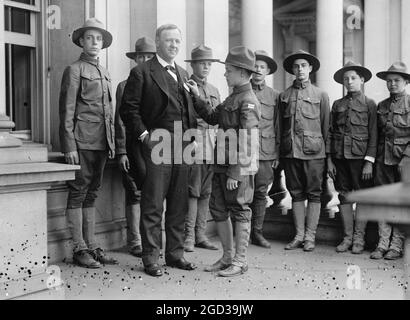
{"x": 146, "y": 96}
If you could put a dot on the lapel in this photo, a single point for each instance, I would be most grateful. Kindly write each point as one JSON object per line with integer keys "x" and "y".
{"x": 181, "y": 72}
{"x": 158, "y": 75}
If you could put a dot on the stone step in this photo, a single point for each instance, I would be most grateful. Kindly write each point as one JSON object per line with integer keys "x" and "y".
{"x": 25, "y": 154}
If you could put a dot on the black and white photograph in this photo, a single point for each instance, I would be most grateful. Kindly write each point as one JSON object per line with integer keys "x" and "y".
{"x": 204, "y": 156}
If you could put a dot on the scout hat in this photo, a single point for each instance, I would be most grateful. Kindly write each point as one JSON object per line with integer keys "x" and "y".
{"x": 288, "y": 63}
{"x": 350, "y": 65}
{"x": 399, "y": 68}
{"x": 94, "y": 24}
{"x": 241, "y": 57}
{"x": 202, "y": 53}
{"x": 143, "y": 45}
{"x": 263, "y": 55}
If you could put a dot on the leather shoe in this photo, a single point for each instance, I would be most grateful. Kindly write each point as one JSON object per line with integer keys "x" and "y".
{"x": 84, "y": 259}
{"x": 206, "y": 245}
{"x": 294, "y": 244}
{"x": 377, "y": 254}
{"x": 101, "y": 257}
{"x": 154, "y": 270}
{"x": 309, "y": 246}
{"x": 136, "y": 251}
{"x": 217, "y": 266}
{"x": 392, "y": 255}
{"x": 357, "y": 248}
{"x": 181, "y": 264}
{"x": 233, "y": 271}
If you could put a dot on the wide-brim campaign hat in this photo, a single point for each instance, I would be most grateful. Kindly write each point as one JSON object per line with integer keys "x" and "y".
{"x": 241, "y": 57}
{"x": 142, "y": 45}
{"x": 399, "y": 68}
{"x": 94, "y": 24}
{"x": 202, "y": 53}
{"x": 350, "y": 65}
{"x": 264, "y": 56}
{"x": 288, "y": 63}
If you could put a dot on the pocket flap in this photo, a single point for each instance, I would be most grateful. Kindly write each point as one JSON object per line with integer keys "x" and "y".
{"x": 404, "y": 110}
{"x": 312, "y": 134}
{"x": 89, "y": 117}
{"x": 401, "y": 140}
{"x": 313, "y": 100}
{"x": 268, "y": 134}
{"x": 358, "y": 138}
{"x": 359, "y": 108}
{"x": 89, "y": 75}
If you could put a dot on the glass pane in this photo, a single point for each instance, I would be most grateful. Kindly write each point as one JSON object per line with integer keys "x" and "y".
{"x": 17, "y": 20}
{"x": 18, "y": 85}
{"x": 30, "y": 2}
{"x": 354, "y": 30}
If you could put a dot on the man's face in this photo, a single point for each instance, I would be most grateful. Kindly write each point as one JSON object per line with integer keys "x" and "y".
{"x": 233, "y": 75}
{"x": 92, "y": 42}
{"x": 352, "y": 81}
{"x": 168, "y": 44}
{"x": 141, "y": 58}
{"x": 301, "y": 69}
{"x": 261, "y": 67}
{"x": 201, "y": 68}
{"x": 395, "y": 83}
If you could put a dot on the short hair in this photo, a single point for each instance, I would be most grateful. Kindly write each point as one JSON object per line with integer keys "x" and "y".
{"x": 164, "y": 27}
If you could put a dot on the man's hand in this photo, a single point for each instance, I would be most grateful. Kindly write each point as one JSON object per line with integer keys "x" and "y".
{"x": 111, "y": 154}
{"x": 72, "y": 158}
{"x": 192, "y": 85}
{"x": 232, "y": 184}
{"x": 124, "y": 163}
{"x": 367, "y": 172}
{"x": 331, "y": 169}
{"x": 275, "y": 164}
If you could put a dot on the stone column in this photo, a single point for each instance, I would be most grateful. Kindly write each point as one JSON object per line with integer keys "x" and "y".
{"x": 6, "y": 140}
{"x": 257, "y": 27}
{"x": 405, "y": 31}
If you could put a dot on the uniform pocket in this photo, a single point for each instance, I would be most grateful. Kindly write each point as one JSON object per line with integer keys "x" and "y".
{"x": 339, "y": 116}
{"x": 91, "y": 86}
{"x": 230, "y": 117}
{"x": 359, "y": 116}
{"x": 359, "y": 145}
{"x": 268, "y": 143}
{"x": 401, "y": 118}
{"x": 87, "y": 128}
{"x": 399, "y": 146}
{"x": 382, "y": 118}
{"x": 312, "y": 143}
{"x": 267, "y": 111}
{"x": 311, "y": 109}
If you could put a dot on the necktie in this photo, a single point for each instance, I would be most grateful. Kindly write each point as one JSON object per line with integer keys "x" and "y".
{"x": 172, "y": 71}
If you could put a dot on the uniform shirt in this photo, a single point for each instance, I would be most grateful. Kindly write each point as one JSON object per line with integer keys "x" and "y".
{"x": 353, "y": 128}
{"x": 120, "y": 131}
{"x": 393, "y": 122}
{"x": 241, "y": 110}
{"x": 269, "y": 124}
{"x": 86, "y": 115}
{"x": 304, "y": 121}
{"x": 210, "y": 94}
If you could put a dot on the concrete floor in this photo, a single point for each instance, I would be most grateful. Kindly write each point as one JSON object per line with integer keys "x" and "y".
{"x": 273, "y": 274}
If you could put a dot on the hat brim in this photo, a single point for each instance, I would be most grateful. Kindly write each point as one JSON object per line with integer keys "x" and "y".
{"x": 366, "y": 73}
{"x": 199, "y": 60}
{"x": 382, "y": 75}
{"x": 133, "y": 55}
{"x": 272, "y": 65}
{"x": 288, "y": 63}
{"x": 77, "y": 34}
{"x": 242, "y": 66}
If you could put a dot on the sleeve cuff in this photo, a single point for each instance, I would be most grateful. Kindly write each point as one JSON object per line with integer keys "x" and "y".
{"x": 142, "y": 136}
{"x": 370, "y": 159}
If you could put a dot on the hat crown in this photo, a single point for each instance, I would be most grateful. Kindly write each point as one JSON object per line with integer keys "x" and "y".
{"x": 201, "y": 52}
{"x": 145, "y": 44}
{"x": 398, "y": 67}
{"x": 351, "y": 63}
{"x": 93, "y": 23}
{"x": 241, "y": 56}
{"x": 261, "y": 53}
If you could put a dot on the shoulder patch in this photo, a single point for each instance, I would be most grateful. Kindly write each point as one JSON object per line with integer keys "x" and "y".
{"x": 251, "y": 106}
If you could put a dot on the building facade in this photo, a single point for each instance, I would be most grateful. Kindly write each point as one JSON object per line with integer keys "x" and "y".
{"x": 35, "y": 47}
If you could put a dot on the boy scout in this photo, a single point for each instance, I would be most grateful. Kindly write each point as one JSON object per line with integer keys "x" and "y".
{"x": 200, "y": 175}
{"x": 233, "y": 181}
{"x": 304, "y": 120}
{"x": 129, "y": 154}
{"x": 269, "y": 143}
{"x": 351, "y": 147}
{"x": 393, "y": 123}
{"x": 87, "y": 138}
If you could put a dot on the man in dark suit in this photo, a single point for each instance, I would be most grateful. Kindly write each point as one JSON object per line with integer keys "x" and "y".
{"x": 156, "y": 97}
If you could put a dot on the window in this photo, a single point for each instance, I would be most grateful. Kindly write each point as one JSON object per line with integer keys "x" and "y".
{"x": 21, "y": 34}
{"x": 353, "y": 32}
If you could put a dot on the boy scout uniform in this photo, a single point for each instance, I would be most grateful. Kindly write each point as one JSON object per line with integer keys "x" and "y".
{"x": 125, "y": 145}
{"x": 304, "y": 119}
{"x": 269, "y": 149}
{"x": 240, "y": 111}
{"x": 352, "y": 140}
{"x": 86, "y": 126}
{"x": 200, "y": 174}
{"x": 393, "y": 122}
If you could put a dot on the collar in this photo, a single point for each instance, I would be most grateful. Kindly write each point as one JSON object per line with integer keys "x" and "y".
{"x": 258, "y": 87}
{"x": 359, "y": 95}
{"x": 201, "y": 82}
{"x": 301, "y": 85}
{"x": 87, "y": 58}
{"x": 163, "y": 63}
{"x": 396, "y": 97}
{"x": 242, "y": 88}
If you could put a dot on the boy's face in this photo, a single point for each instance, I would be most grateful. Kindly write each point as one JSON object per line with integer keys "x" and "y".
{"x": 302, "y": 69}
{"x": 352, "y": 81}
{"x": 261, "y": 67}
{"x": 395, "y": 83}
{"x": 92, "y": 42}
{"x": 141, "y": 58}
{"x": 233, "y": 75}
{"x": 201, "y": 68}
